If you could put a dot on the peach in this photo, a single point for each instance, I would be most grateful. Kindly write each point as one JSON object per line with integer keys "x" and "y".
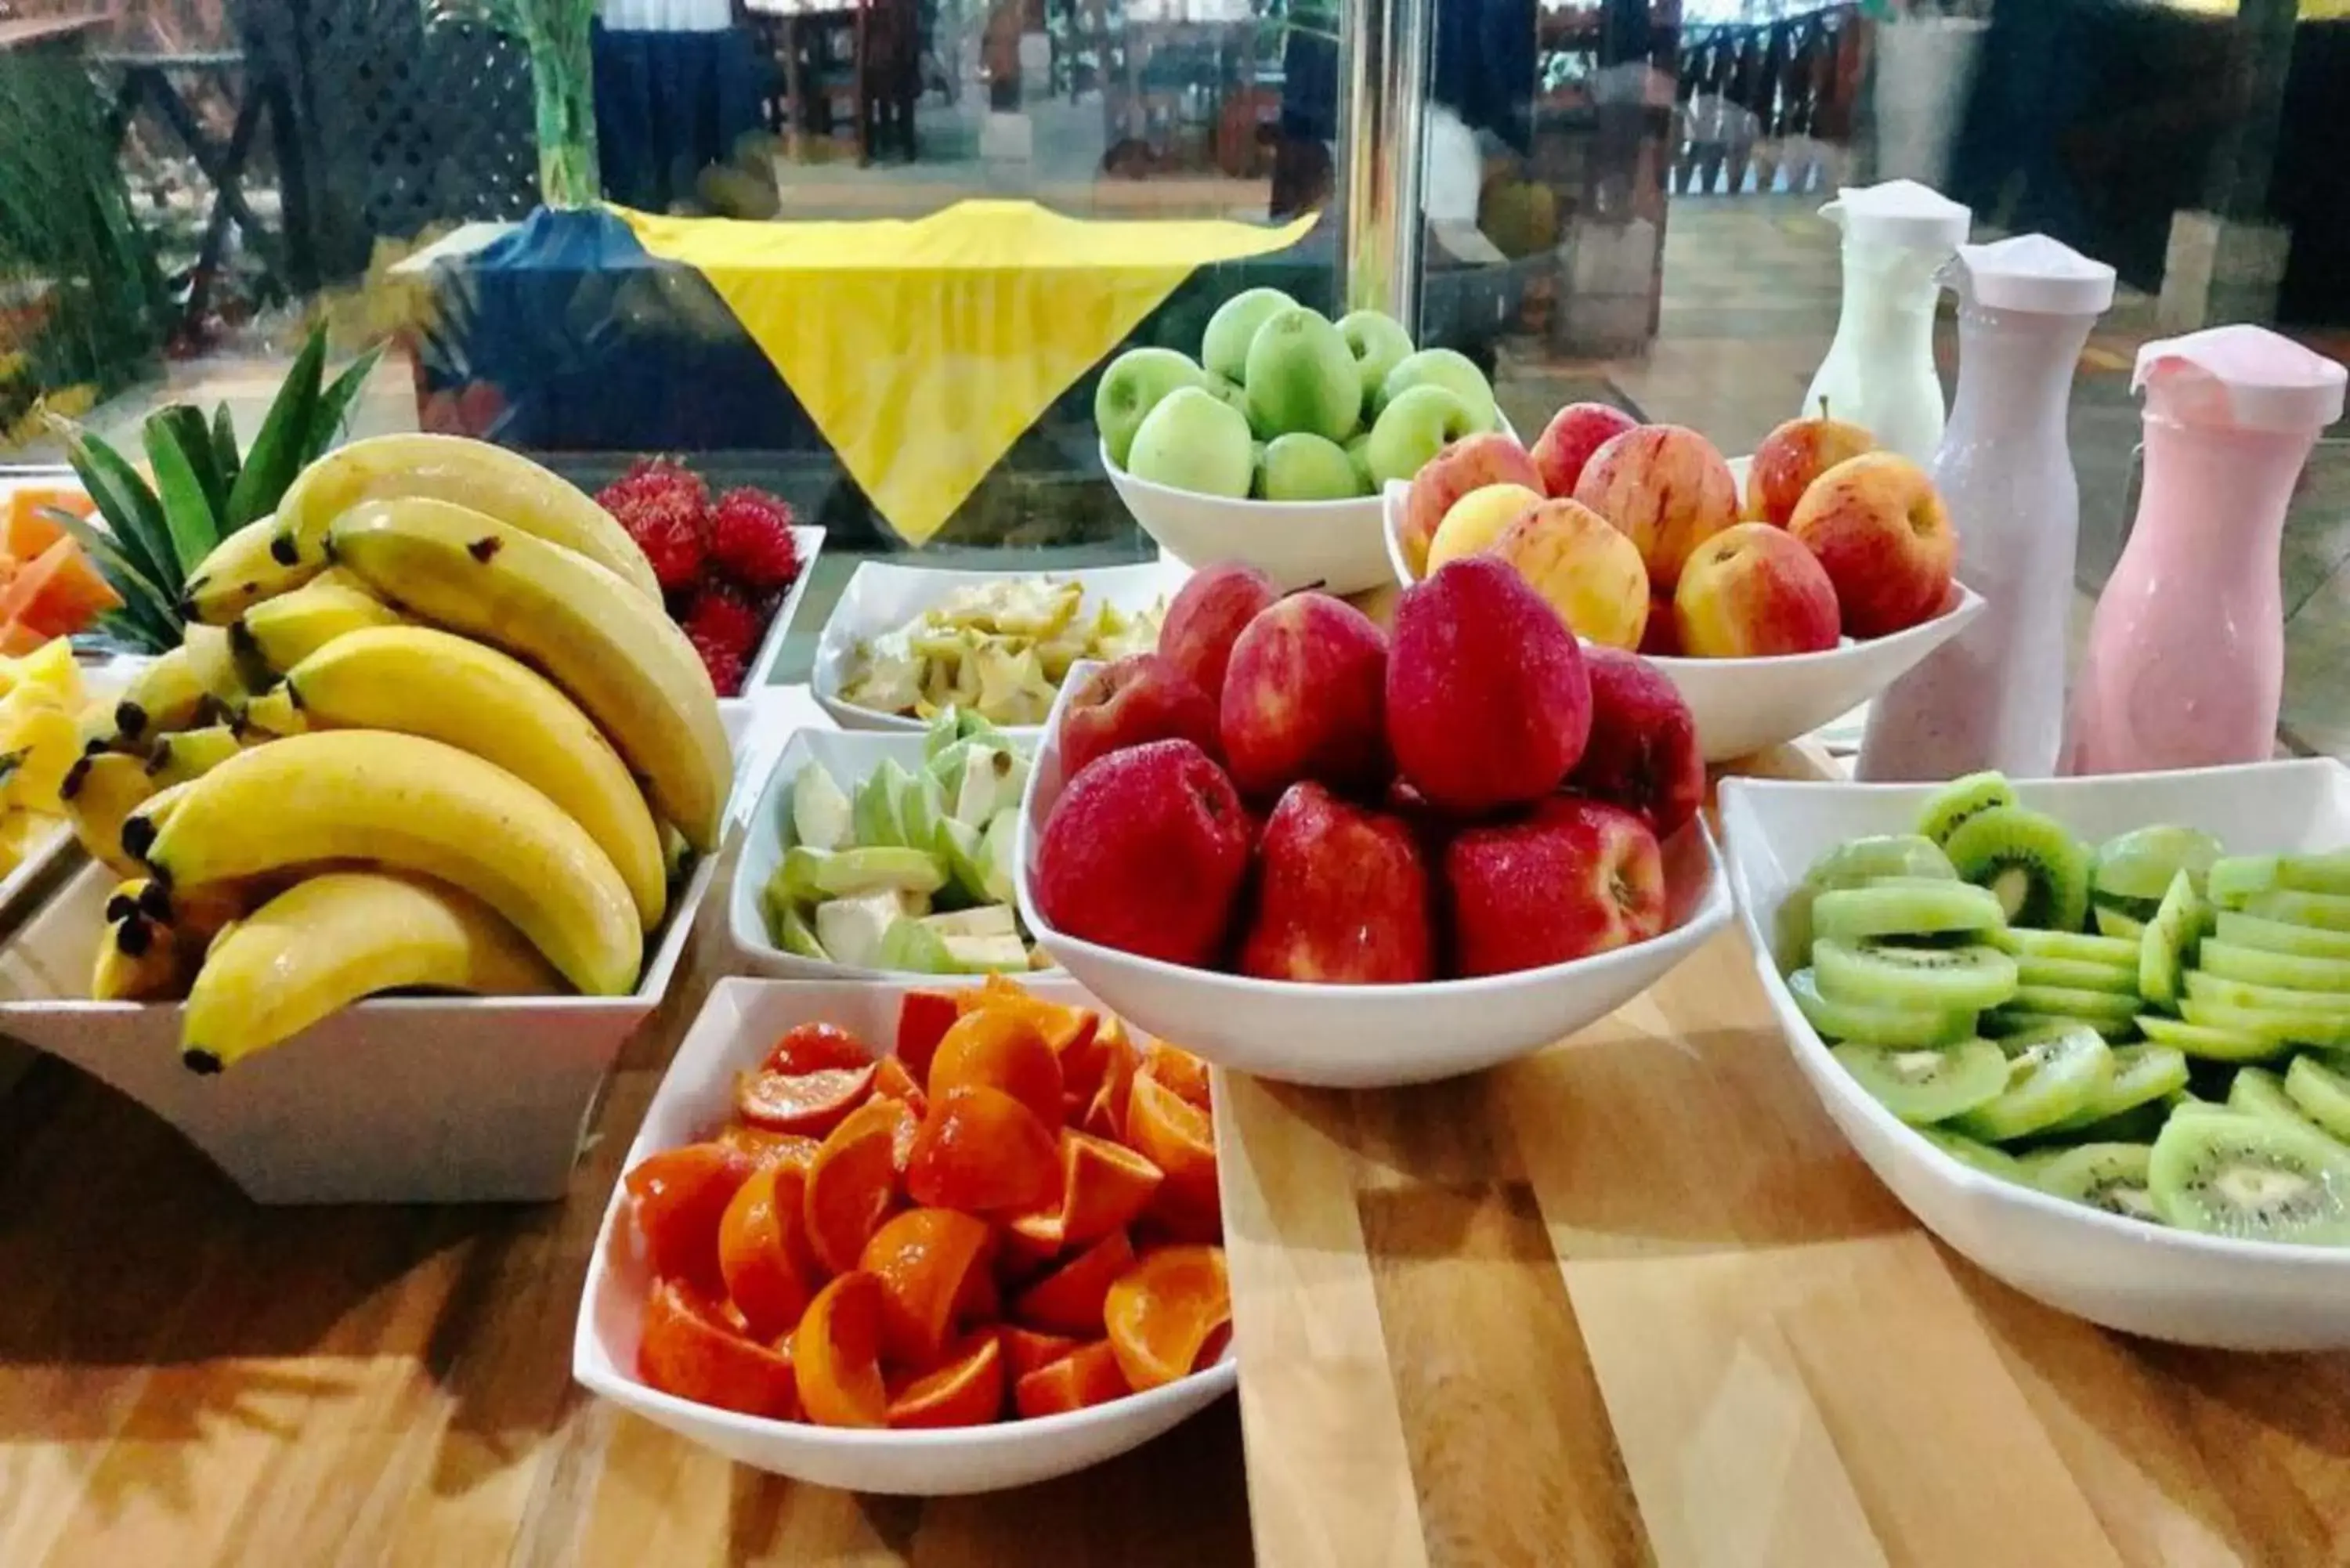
{"x": 1573, "y": 434}
{"x": 1592, "y": 575}
{"x": 1571, "y": 879}
{"x": 1477, "y": 520}
{"x": 1303, "y": 698}
{"x": 1465, "y": 465}
{"x": 1877, "y": 526}
{"x": 1752, "y": 591}
{"x": 1667, "y": 488}
{"x": 1793, "y": 455}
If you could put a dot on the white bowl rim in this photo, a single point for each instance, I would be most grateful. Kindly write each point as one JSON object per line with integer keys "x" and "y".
{"x": 2197, "y": 1243}
{"x": 1121, "y": 476}
{"x": 1965, "y": 608}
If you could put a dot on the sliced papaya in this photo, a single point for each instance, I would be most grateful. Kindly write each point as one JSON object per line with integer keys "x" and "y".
{"x": 57, "y": 592}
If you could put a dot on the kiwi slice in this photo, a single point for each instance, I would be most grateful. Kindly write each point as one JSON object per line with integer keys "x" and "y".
{"x": 2211, "y": 1044}
{"x": 1896, "y": 974}
{"x": 1959, "y": 802}
{"x": 2070, "y": 947}
{"x": 2142, "y": 1076}
{"x": 2277, "y": 936}
{"x": 2330, "y": 1005}
{"x": 2327, "y": 911}
{"x": 2073, "y": 975}
{"x": 1853, "y": 865}
{"x": 2139, "y": 1123}
{"x": 2229, "y": 961}
{"x": 2031, "y": 860}
{"x": 2327, "y": 873}
{"x": 2139, "y": 864}
{"x": 1899, "y": 1028}
{"x": 2278, "y": 1027}
{"x": 1981, "y": 1157}
{"x": 2235, "y": 878}
{"x": 2227, "y": 1173}
{"x": 2171, "y": 939}
{"x": 2118, "y": 924}
{"x": 1909, "y": 907}
{"x": 1928, "y": 1085}
{"x": 2064, "y": 1001}
{"x": 2107, "y": 1176}
{"x": 2257, "y": 1092}
{"x": 2321, "y": 1094}
{"x": 2006, "y": 1023}
{"x": 2050, "y": 1075}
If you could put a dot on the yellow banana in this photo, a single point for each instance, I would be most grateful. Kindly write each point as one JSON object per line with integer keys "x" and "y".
{"x": 100, "y": 790}
{"x": 613, "y": 651}
{"x": 287, "y": 630}
{"x": 229, "y": 679}
{"x": 191, "y": 755}
{"x": 475, "y": 474}
{"x": 420, "y": 681}
{"x": 270, "y": 713}
{"x": 149, "y": 818}
{"x": 168, "y": 695}
{"x": 138, "y": 960}
{"x": 241, "y": 572}
{"x": 327, "y": 941}
{"x": 411, "y": 805}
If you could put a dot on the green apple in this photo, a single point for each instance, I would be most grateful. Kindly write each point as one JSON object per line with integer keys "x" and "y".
{"x": 1418, "y": 423}
{"x": 1132, "y": 387}
{"x": 1224, "y": 347}
{"x": 1302, "y": 467}
{"x": 1232, "y": 392}
{"x": 1302, "y": 377}
{"x": 1193, "y": 441}
{"x": 1359, "y": 452}
{"x": 1378, "y": 344}
{"x": 1256, "y": 469}
{"x": 1455, "y": 372}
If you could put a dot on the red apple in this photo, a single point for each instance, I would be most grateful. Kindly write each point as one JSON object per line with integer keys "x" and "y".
{"x": 1205, "y": 618}
{"x": 1341, "y": 895}
{"x": 1793, "y": 455}
{"x": 1573, "y": 434}
{"x": 1643, "y": 754}
{"x": 1668, "y": 488}
{"x": 1661, "y": 638}
{"x": 1474, "y": 463}
{"x": 1487, "y": 702}
{"x": 1142, "y": 696}
{"x": 1877, "y": 524}
{"x": 1305, "y": 698}
{"x": 1571, "y": 879}
{"x": 1146, "y": 852}
{"x": 1752, "y": 592}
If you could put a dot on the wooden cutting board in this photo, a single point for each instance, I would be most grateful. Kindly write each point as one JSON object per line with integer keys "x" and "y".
{"x": 1634, "y": 1300}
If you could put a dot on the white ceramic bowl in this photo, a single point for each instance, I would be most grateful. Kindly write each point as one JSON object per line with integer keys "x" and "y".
{"x": 761, "y": 671}
{"x": 1363, "y": 1036}
{"x": 2124, "y": 1273}
{"x": 882, "y": 596}
{"x": 1746, "y": 705}
{"x": 739, "y": 1024}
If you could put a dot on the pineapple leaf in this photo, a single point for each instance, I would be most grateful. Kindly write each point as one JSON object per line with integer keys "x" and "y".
{"x": 180, "y": 485}
{"x": 129, "y": 506}
{"x": 145, "y": 607}
{"x": 225, "y": 454}
{"x": 276, "y": 455}
{"x": 334, "y": 402}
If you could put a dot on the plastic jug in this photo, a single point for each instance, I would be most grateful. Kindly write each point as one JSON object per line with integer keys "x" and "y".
{"x": 1993, "y": 697}
{"x": 1879, "y": 369}
{"x": 2185, "y": 659}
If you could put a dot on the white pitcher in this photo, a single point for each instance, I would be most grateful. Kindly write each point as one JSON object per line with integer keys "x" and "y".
{"x": 1879, "y": 369}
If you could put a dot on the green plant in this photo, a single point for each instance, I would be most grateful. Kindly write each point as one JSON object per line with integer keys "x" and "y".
{"x": 204, "y": 488}
{"x": 562, "y": 74}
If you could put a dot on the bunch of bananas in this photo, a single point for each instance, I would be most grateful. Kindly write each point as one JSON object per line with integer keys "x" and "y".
{"x": 431, "y": 727}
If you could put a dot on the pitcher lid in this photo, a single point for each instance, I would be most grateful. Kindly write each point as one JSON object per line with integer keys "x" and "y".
{"x": 2035, "y": 272}
{"x": 2241, "y": 375}
{"x": 1900, "y": 213}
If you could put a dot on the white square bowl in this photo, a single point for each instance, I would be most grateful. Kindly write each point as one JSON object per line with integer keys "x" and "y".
{"x": 882, "y": 596}
{"x": 1368, "y": 1037}
{"x": 761, "y": 671}
{"x": 738, "y": 1025}
{"x": 1746, "y": 705}
{"x": 2123, "y": 1273}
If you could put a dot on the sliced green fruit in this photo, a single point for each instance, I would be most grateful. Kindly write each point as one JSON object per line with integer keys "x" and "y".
{"x": 795, "y": 935}
{"x": 811, "y": 875}
{"x": 2170, "y": 941}
{"x": 2140, "y": 864}
{"x": 1905, "y": 908}
{"x": 2257, "y": 1092}
{"x": 2063, "y": 1002}
{"x": 2210, "y": 1045}
{"x": 2233, "y": 879}
{"x": 913, "y": 945}
{"x": 2227, "y": 1173}
{"x": 2321, "y": 1094}
{"x": 2074, "y": 975}
{"x": 822, "y": 815}
{"x": 2007, "y": 1023}
{"x": 986, "y": 920}
{"x": 2107, "y": 1176}
{"x": 2142, "y": 1074}
{"x": 1898, "y": 1028}
{"x": 851, "y": 929}
{"x": 920, "y": 807}
{"x": 2139, "y": 1123}
{"x": 2323, "y": 873}
{"x": 992, "y": 781}
{"x": 988, "y": 955}
{"x": 2201, "y": 987}
{"x": 1893, "y": 974}
{"x": 1979, "y": 1156}
{"x": 2049, "y": 1077}
{"x": 2279, "y": 1027}
{"x": 2277, "y": 936}
{"x": 2071, "y": 947}
{"x": 2327, "y": 911}
{"x": 959, "y": 845}
{"x": 873, "y": 818}
{"x": 2119, "y": 924}
{"x": 1854, "y": 864}
{"x": 1950, "y": 807}
{"x": 941, "y": 731}
{"x": 999, "y": 856}
{"x": 2030, "y": 860}
{"x": 2228, "y": 961}
{"x": 1928, "y": 1085}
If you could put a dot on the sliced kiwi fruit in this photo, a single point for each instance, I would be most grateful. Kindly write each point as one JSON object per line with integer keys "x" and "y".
{"x": 2201, "y": 987}
{"x": 1928, "y": 1085}
{"x": 2070, "y": 947}
{"x": 2171, "y": 939}
{"x": 2142, "y": 1076}
{"x": 1957, "y": 802}
{"x": 2107, "y": 1176}
{"x": 1899, "y": 1028}
{"x": 2210, "y": 1045}
{"x": 1899, "y": 974}
{"x": 2066, "y": 1001}
{"x": 2234, "y": 880}
{"x": 2073, "y": 975}
{"x": 2279, "y": 1027}
{"x": 2139, "y": 1123}
{"x": 2327, "y": 873}
{"x": 2327, "y": 911}
{"x": 1980, "y": 1156}
{"x": 2277, "y": 936}
{"x": 2228, "y": 1173}
{"x": 2229, "y": 961}
{"x": 1907, "y": 907}
{"x": 2006, "y": 1023}
{"x": 1854, "y": 864}
{"x": 2050, "y": 1075}
{"x": 2321, "y": 1094}
{"x": 2257, "y": 1092}
{"x": 2030, "y": 860}
{"x": 2118, "y": 924}
{"x": 2139, "y": 864}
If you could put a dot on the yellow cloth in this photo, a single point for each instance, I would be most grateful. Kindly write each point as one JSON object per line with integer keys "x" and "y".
{"x": 922, "y": 349}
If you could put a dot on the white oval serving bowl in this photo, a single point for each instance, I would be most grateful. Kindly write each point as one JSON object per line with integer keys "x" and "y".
{"x": 2124, "y": 1273}
{"x": 761, "y": 671}
{"x": 1366, "y": 1036}
{"x": 737, "y": 1027}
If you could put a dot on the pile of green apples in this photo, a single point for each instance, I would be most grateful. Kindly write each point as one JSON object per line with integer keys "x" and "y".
{"x": 1285, "y": 404}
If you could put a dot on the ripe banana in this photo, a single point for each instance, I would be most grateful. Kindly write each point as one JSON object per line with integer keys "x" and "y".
{"x": 191, "y": 755}
{"x": 241, "y": 572}
{"x": 283, "y": 631}
{"x": 168, "y": 695}
{"x": 420, "y": 681}
{"x": 270, "y": 713}
{"x": 615, "y": 652}
{"x": 412, "y": 805}
{"x": 100, "y": 790}
{"x": 149, "y": 818}
{"x": 328, "y": 941}
{"x": 142, "y": 957}
{"x": 228, "y": 679}
{"x": 487, "y": 479}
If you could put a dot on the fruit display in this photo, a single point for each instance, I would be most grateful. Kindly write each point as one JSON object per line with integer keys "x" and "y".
{"x": 418, "y": 738}
{"x": 722, "y": 565}
{"x": 1284, "y": 791}
{"x": 1287, "y": 405}
{"x": 906, "y": 869}
{"x": 48, "y": 587}
{"x": 2169, "y": 1066}
{"x": 41, "y": 701}
{"x": 1637, "y": 537}
{"x": 998, "y": 647}
{"x": 1012, "y": 1216}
